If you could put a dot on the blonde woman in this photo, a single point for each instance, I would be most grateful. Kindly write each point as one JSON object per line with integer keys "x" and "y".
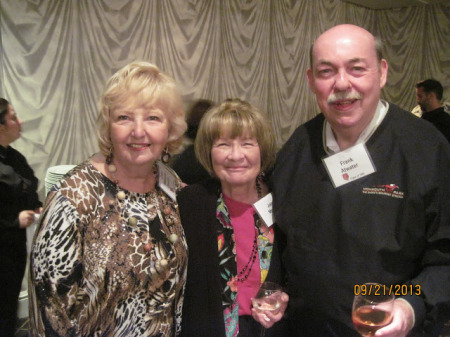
{"x": 109, "y": 257}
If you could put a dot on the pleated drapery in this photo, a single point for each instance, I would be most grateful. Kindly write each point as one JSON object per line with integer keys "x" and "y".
{"x": 58, "y": 54}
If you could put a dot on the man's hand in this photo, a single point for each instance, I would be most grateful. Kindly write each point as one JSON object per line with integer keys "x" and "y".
{"x": 402, "y": 320}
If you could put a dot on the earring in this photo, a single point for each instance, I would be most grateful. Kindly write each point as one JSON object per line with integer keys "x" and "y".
{"x": 165, "y": 155}
{"x": 109, "y": 157}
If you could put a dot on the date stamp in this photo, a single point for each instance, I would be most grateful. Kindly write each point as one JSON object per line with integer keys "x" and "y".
{"x": 383, "y": 290}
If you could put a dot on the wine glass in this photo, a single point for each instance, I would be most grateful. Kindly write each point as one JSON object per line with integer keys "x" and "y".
{"x": 268, "y": 298}
{"x": 372, "y": 308}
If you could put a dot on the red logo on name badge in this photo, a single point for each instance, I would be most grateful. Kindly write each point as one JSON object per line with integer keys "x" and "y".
{"x": 345, "y": 176}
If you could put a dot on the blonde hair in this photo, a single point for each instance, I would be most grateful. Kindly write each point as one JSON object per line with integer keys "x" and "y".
{"x": 235, "y": 118}
{"x": 141, "y": 84}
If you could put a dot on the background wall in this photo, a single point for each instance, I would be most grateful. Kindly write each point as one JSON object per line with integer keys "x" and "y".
{"x": 56, "y": 56}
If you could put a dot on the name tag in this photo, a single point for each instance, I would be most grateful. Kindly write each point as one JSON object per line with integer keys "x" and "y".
{"x": 264, "y": 209}
{"x": 167, "y": 181}
{"x": 349, "y": 165}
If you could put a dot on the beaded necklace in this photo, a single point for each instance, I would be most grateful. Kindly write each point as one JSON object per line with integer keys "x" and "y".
{"x": 246, "y": 270}
{"x": 158, "y": 266}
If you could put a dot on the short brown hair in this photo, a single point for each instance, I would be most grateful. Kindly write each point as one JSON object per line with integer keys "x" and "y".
{"x": 147, "y": 86}
{"x": 431, "y": 85}
{"x": 235, "y": 118}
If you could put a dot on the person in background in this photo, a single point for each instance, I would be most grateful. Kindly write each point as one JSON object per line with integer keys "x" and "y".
{"x": 19, "y": 205}
{"x": 109, "y": 255}
{"x": 186, "y": 164}
{"x": 429, "y": 96}
{"x": 362, "y": 194}
{"x": 230, "y": 247}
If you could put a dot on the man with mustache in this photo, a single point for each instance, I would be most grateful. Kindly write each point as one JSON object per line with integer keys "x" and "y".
{"x": 362, "y": 194}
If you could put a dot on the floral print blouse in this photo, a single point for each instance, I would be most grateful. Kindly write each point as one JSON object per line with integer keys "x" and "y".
{"x": 228, "y": 265}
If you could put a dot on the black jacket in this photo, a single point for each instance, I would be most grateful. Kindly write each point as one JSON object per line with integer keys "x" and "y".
{"x": 18, "y": 187}
{"x": 440, "y": 119}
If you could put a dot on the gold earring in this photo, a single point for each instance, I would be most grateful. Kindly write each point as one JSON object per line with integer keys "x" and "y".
{"x": 165, "y": 157}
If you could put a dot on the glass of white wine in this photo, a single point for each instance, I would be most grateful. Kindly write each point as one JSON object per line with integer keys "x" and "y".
{"x": 372, "y": 308}
{"x": 268, "y": 298}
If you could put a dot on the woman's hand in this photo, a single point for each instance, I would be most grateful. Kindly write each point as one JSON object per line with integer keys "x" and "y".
{"x": 267, "y": 318}
{"x": 402, "y": 320}
{"x": 26, "y": 218}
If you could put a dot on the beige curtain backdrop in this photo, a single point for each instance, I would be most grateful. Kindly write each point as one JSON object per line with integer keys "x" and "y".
{"x": 56, "y": 56}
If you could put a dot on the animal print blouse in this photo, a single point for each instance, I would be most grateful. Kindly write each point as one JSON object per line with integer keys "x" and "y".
{"x": 101, "y": 266}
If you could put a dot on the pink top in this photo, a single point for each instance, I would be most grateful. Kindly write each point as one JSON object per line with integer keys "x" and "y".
{"x": 243, "y": 223}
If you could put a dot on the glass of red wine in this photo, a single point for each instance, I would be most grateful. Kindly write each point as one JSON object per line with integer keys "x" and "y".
{"x": 372, "y": 308}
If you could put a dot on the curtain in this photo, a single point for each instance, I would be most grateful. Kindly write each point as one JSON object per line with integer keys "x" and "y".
{"x": 56, "y": 56}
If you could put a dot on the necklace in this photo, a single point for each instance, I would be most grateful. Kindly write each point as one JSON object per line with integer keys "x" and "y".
{"x": 246, "y": 270}
{"x": 112, "y": 169}
{"x": 162, "y": 264}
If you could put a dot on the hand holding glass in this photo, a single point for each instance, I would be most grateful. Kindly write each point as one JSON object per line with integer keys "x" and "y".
{"x": 372, "y": 309}
{"x": 268, "y": 298}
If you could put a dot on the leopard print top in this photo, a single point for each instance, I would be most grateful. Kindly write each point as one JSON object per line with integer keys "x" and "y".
{"x": 90, "y": 274}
